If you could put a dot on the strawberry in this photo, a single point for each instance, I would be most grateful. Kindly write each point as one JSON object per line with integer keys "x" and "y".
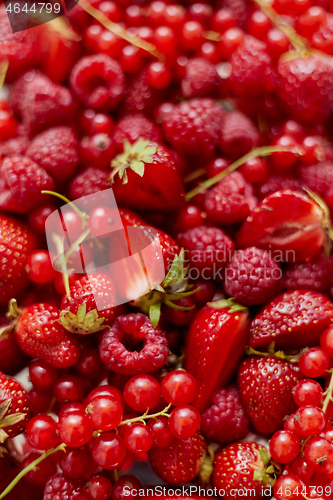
{"x": 16, "y": 243}
{"x": 40, "y": 335}
{"x": 179, "y": 462}
{"x": 265, "y": 388}
{"x": 242, "y": 467}
{"x": 214, "y": 347}
{"x": 159, "y": 188}
{"x": 14, "y": 408}
{"x": 293, "y": 319}
{"x": 288, "y": 223}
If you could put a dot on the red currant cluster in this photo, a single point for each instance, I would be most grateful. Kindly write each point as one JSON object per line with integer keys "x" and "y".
{"x": 305, "y": 444}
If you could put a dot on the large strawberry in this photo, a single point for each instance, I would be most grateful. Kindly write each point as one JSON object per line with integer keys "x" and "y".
{"x": 214, "y": 347}
{"x": 288, "y": 223}
{"x": 179, "y": 462}
{"x": 145, "y": 177}
{"x": 240, "y": 468}
{"x": 14, "y": 408}
{"x": 292, "y": 320}
{"x": 265, "y": 387}
{"x": 16, "y": 243}
{"x": 40, "y": 335}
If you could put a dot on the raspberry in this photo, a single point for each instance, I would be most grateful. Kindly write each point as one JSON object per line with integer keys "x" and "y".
{"x": 318, "y": 178}
{"x": 250, "y": 69}
{"x": 193, "y": 127}
{"x": 56, "y": 150}
{"x": 239, "y": 8}
{"x": 141, "y": 98}
{"x": 278, "y": 183}
{"x": 22, "y": 182}
{"x": 225, "y": 421}
{"x": 59, "y": 487}
{"x": 133, "y": 330}
{"x": 201, "y": 79}
{"x": 98, "y": 81}
{"x": 313, "y": 275}
{"x": 89, "y": 181}
{"x": 238, "y": 135}
{"x": 209, "y": 249}
{"x": 230, "y": 201}
{"x": 132, "y": 127}
{"x": 13, "y": 147}
{"x": 323, "y": 37}
{"x": 305, "y": 87}
{"x": 252, "y": 277}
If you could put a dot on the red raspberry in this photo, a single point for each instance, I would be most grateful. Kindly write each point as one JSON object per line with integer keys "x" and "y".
{"x": 313, "y": 275}
{"x": 278, "y": 183}
{"x": 319, "y": 177}
{"x": 41, "y": 103}
{"x": 225, "y": 421}
{"x": 193, "y": 127}
{"x": 208, "y": 249}
{"x": 133, "y": 330}
{"x": 91, "y": 180}
{"x": 22, "y": 182}
{"x": 201, "y": 79}
{"x": 251, "y": 69}
{"x": 132, "y": 127}
{"x": 239, "y": 8}
{"x": 323, "y": 37}
{"x": 59, "y": 487}
{"x": 98, "y": 81}
{"x": 230, "y": 201}
{"x": 141, "y": 98}
{"x": 13, "y": 147}
{"x": 56, "y": 150}
{"x": 252, "y": 277}
{"x": 305, "y": 87}
{"x": 238, "y": 135}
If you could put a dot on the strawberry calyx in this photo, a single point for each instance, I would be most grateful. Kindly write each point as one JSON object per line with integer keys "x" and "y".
{"x": 175, "y": 286}
{"x": 82, "y": 323}
{"x": 328, "y": 393}
{"x": 13, "y": 314}
{"x": 206, "y": 468}
{"x": 8, "y": 420}
{"x": 265, "y": 470}
{"x": 229, "y": 304}
{"x": 134, "y": 157}
{"x": 292, "y": 358}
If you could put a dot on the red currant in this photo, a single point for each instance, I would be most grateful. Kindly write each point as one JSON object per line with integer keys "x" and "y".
{"x": 108, "y": 451}
{"x": 160, "y": 431}
{"x": 314, "y": 362}
{"x": 68, "y": 388}
{"x": 326, "y": 340}
{"x": 130, "y": 482}
{"x": 39, "y": 267}
{"x": 105, "y": 412}
{"x": 184, "y": 421}
{"x": 99, "y": 488}
{"x": 308, "y": 392}
{"x": 142, "y": 392}
{"x": 138, "y": 438}
{"x": 41, "y": 432}
{"x": 284, "y": 446}
{"x": 75, "y": 428}
{"x": 42, "y": 375}
{"x": 309, "y": 420}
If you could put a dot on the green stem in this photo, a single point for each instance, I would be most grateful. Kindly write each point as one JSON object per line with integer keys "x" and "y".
{"x": 145, "y": 416}
{"x": 264, "y": 151}
{"x": 328, "y": 394}
{"x": 3, "y": 71}
{"x": 30, "y": 467}
{"x": 61, "y": 261}
{"x": 194, "y": 175}
{"x": 83, "y": 215}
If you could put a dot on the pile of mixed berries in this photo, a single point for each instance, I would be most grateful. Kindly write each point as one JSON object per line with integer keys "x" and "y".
{"x": 211, "y": 122}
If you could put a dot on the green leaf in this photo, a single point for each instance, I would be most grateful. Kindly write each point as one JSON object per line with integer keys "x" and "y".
{"x": 270, "y": 469}
{"x": 139, "y": 146}
{"x": 10, "y": 420}
{"x": 175, "y": 274}
{"x": 229, "y": 304}
{"x": 138, "y": 167}
{"x": 264, "y": 456}
{"x": 150, "y": 150}
{"x": 154, "y": 314}
{"x": 81, "y": 313}
{"x": 4, "y": 407}
{"x": 257, "y": 475}
{"x": 146, "y": 159}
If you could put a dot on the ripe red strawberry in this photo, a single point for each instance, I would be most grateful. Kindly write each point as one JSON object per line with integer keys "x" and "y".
{"x": 179, "y": 462}
{"x": 56, "y": 150}
{"x": 22, "y": 182}
{"x": 98, "y": 82}
{"x": 293, "y": 319}
{"x": 201, "y": 79}
{"x": 238, "y": 135}
{"x": 59, "y": 487}
{"x": 193, "y": 127}
{"x": 14, "y": 407}
{"x": 82, "y": 295}
{"x": 288, "y": 223}
{"x": 148, "y": 178}
{"x": 214, "y": 346}
{"x": 132, "y": 127}
{"x": 40, "y": 335}
{"x": 305, "y": 87}
{"x": 313, "y": 275}
{"x": 241, "y": 467}
{"x": 230, "y": 201}
{"x": 225, "y": 421}
{"x": 16, "y": 243}
{"x": 12, "y": 359}
{"x": 265, "y": 388}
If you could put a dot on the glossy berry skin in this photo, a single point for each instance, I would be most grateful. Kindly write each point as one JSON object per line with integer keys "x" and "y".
{"x": 314, "y": 362}
{"x": 42, "y": 432}
{"x": 302, "y": 469}
{"x": 309, "y": 420}
{"x": 105, "y": 412}
{"x": 184, "y": 421}
{"x": 46, "y": 468}
{"x": 142, "y": 392}
{"x": 284, "y": 446}
{"x": 42, "y": 375}
{"x": 160, "y": 431}
{"x": 76, "y": 463}
{"x": 108, "y": 451}
{"x": 68, "y": 388}
{"x": 315, "y": 452}
{"x": 99, "y": 488}
{"x": 326, "y": 341}
{"x": 308, "y": 392}
{"x": 108, "y": 391}
{"x": 138, "y": 438}
{"x": 75, "y": 428}
{"x": 179, "y": 387}
{"x": 40, "y": 267}
{"x": 288, "y": 487}
{"x": 130, "y": 482}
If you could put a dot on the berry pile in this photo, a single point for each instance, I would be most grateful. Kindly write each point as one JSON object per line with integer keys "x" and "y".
{"x": 183, "y": 150}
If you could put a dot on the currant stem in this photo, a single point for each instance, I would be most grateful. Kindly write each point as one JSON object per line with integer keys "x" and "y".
{"x": 263, "y": 151}
{"x": 118, "y": 30}
{"x": 3, "y": 71}
{"x": 30, "y": 467}
{"x": 83, "y": 215}
{"x": 142, "y": 418}
{"x": 61, "y": 261}
{"x": 328, "y": 394}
